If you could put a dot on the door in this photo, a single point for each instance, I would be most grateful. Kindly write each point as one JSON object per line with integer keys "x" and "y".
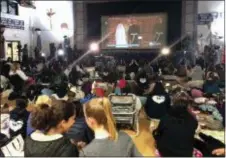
{"x": 12, "y": 50}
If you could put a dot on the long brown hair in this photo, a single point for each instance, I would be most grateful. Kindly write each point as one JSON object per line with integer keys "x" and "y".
{"x": 100, "y": 110}
{"x": 45, "y": 117}
{"x": 182, "y": 99}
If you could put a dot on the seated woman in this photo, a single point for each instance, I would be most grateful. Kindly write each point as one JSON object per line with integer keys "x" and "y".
{"x": 148, "y": 69}
{"x": 220, "y": 70}
{"x": 16, "y": 70}
{"x": 109, "y": 76}
{"x": 51, "y": 122}
{"x": 46, "y": 75}
{"x": 107, "y": 142}
{"x": 158, "y": 103}
{"x": 196, "y": 73}
{"x": 43, "y": 99}
{"x": 175, "y": 134}
{"x": 211, "y": 85}
{"x": 182, "y": 74}
{"x": 87, "y": 89}
{"x": 74, "y": 76}
{"x": 142, "y": 80}
{"x": 132, "y": 69}
{"x": 59, "y": 83}
{"x": 210, "y": 68}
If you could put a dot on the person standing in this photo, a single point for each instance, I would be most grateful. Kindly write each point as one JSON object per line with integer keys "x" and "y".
{"x": 158, "y": 31}
{"x": 2, "y": 42}
{"x": 120, "y": 36}
{"x": 25, "y": 53}
{"x": 52, "y": 50}
{"x": 133, "y": 33}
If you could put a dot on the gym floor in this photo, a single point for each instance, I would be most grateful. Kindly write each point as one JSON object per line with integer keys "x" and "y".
{"x": 144, "y": 141}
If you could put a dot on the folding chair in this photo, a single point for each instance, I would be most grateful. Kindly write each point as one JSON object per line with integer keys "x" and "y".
{"x": 124, "y": 110}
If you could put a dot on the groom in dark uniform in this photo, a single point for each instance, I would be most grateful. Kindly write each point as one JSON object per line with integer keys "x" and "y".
{"x": 158, "y": 31}
{"x": 133, "y": 32}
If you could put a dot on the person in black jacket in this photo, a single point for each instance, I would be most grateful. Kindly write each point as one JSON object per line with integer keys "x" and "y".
{"x": 142, "y": 80}
{"x": 109, "y": 75}
{"x": 132, "y": 67}
{"x": 51, "y": 122}
{"x": 80, "y": 132}
{"x": 18, "y": 119}
{"x": 74, "y": 76}
{"x": 209, "y": 146}
{"x": 46, "y": 75}
{"x": 134, "y": 32}
{"x": 158, "y": 102}
{"x": 59, "y": 83}
{"x": 175, "y": 134}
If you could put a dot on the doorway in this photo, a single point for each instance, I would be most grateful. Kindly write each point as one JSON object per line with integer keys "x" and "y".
{"x": 12, "y": 50}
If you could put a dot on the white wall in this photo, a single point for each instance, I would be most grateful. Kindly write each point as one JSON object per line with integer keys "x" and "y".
{"x": 24, "y": 36}
{"x": 218, "y": 24}
{"x": 37, "y": 18}
{"x": 63, "y": 14}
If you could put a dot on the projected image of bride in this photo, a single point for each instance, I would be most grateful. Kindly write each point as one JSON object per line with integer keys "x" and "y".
{"x": 143, "y": 31}
{"x": 120, "y": 37}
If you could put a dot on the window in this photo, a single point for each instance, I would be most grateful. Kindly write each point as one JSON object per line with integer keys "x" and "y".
{"x": 13, "y": 8}
{"x": 12, "y": 50}
{"x": 9, "y": 7}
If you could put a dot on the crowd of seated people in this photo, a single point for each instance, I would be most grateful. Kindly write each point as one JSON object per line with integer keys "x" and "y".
{"x": 61, "y": 114}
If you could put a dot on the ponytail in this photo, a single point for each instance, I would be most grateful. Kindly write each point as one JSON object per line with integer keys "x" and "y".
{"x": 110, "y": 126}
{"x": 100, "y": 110}
{"x": 41, "y": 116}
{"x": 44, "y": 117}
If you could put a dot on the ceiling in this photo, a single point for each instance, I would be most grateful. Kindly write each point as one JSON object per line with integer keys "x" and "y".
{"x": 105, "y": 1}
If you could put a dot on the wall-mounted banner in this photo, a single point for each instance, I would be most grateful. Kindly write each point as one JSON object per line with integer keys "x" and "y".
{"x": 12, "y": 23}
{"x": 206, "y": 18}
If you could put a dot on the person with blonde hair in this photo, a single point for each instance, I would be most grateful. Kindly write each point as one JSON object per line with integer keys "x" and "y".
{"x": 19, "y": 79}
{"x": 15, "y": 69}
{"x": 107, "y": 141}
{"x": 43, "y": 99}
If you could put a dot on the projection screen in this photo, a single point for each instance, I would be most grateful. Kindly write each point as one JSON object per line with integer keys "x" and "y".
{"x": 145, "y": 31}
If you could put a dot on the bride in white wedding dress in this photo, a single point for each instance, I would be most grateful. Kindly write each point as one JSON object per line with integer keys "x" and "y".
{"x": 120, "y": 37}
